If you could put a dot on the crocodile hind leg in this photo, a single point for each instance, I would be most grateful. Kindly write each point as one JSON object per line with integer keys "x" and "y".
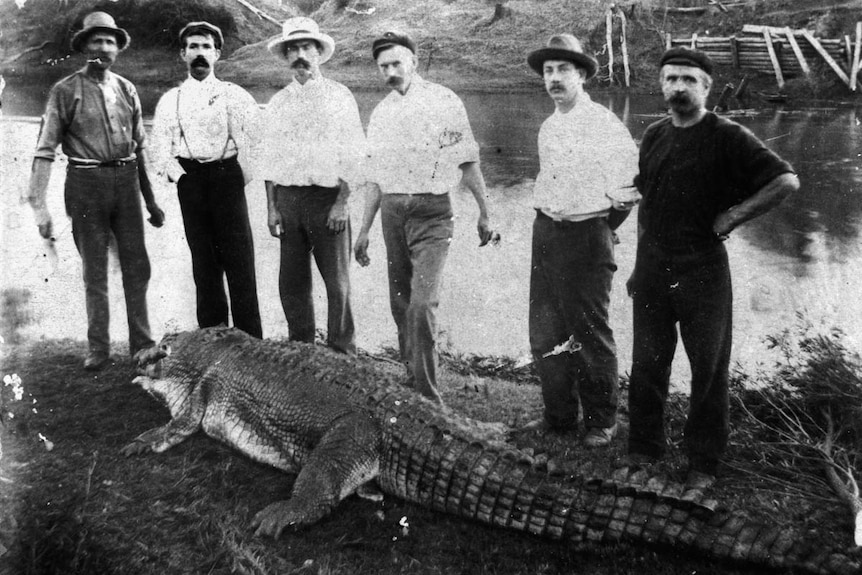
{"x": 177, "y": 430}
{"x": 346, "y": 458}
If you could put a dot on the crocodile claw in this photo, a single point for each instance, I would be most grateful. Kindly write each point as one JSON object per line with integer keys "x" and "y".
{"x": 135, "y": 448}
{"x": 273, "y": 519}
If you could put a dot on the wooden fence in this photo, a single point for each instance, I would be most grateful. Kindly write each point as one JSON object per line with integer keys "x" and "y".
{"x": 780, "y": 51}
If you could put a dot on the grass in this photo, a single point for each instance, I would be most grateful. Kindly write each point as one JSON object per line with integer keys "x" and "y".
{"x": 83, "y": 508}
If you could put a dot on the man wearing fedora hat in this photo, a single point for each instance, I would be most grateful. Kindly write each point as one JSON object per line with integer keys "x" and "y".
{"x": 701, "y": 176}
{"x": 201, "y": 141}
{"x": 310, "y": 145}
{"x": 420, "y": 147}
{"x": 96, "y": 116}
{"x": 583, "y": 192}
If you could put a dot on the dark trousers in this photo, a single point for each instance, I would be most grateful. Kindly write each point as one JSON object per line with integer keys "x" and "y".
{"x": 570, "y": 284}
{"x": 215, "y": 216}
{"x": 304, "y": 211}
{"x": 694, "y": 291}
{"x": 101, "y": 202}
{"x": 417, "y": 230}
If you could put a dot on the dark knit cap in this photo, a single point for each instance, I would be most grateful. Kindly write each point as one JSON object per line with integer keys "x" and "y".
{"x": 681, "y": 56}
{"x": 390, "y": 39}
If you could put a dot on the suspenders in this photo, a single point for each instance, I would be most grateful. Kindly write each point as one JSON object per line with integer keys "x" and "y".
{"x": 183, "y": 133}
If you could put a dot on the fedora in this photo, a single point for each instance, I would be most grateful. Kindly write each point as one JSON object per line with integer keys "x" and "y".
{"x": 563, "y": 47}
{"x": 100, "y": 22}
{"x": 302, "y": 28}
{"x": 205, "y": 29}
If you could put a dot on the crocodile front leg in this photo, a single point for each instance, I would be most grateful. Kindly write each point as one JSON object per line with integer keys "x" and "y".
{"x": 346, "y": 458}
{"x": 177, "y": 430}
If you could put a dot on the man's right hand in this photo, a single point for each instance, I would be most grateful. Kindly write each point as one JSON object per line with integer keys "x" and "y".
{"x": 276, "y": 230}
{"x": 44, "y": 222}
{"x": 360, "y": 249}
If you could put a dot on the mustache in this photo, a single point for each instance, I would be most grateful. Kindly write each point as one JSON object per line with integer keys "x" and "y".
{"x": 301, "y": 63}
{"x": 394, "y": 81}
{"x": 200, "y": 61}
{"x": 679, "y": 99}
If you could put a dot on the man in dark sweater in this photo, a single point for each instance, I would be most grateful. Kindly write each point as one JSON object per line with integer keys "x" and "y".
{"x": 701, "y": 176}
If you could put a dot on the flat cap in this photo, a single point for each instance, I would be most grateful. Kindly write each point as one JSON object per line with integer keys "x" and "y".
{"x": 681, "y": 56}
{"x": 204, "y": 28}
{"x": 390, "y": 39}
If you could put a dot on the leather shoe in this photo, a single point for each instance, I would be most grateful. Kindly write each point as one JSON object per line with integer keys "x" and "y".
{"x": 600, "y": 436}
{"x": 96, "y": 361}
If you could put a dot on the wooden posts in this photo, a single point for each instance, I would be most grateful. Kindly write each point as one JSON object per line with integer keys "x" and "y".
{"x": 776, "y": 66}
{"x": 854, "y": 68}
{"x": 829, "y": 60}
{"x": 791, "y": 39}
{"x": 609, "y": 39}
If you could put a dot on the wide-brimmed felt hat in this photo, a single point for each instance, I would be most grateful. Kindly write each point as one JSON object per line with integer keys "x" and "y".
{"x": 203, "y": 28}
{"x": 302, "y": 28}
{"x": 392, "y": 38}
{"x": 100, "y": 22}
{"x": 563, "y": 47}
{"x": 682, "y": 56}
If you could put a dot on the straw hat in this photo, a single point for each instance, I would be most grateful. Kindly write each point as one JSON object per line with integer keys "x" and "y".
{"x": 302, "y": 28}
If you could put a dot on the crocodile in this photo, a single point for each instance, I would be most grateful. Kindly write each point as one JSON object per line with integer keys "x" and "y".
{"x": 341, "y": 422}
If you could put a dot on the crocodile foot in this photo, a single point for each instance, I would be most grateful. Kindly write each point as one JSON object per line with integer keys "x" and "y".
{"x": 274, "y": 518}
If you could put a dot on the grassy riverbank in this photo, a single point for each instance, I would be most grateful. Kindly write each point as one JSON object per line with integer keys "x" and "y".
{"x": 70, "y": 503}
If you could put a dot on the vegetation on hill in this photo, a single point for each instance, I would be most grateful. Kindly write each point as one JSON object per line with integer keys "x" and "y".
{"x": 471, "y": 45}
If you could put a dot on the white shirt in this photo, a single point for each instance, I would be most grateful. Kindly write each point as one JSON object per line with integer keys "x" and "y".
{"x": 584, "y": 155}
{"x": 416, "y": 141}
{"x": 310, "y": 134}
{"x": 207, "y": 120}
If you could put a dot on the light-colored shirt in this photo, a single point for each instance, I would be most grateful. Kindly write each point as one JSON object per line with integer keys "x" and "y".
{"x": 585, "y": 155}
{"x": 417, "y": 140}
{"x": 98, "y": 121}
{"x": 204, "y": 120}
{"x": 310, "y": 135}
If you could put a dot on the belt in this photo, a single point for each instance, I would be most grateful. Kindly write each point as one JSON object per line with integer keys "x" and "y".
{"x": 97, "y": 164}
{"x": 189, "y": 163}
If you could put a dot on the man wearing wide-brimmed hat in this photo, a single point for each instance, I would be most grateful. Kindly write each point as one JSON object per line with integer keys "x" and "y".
{"x": 201, "y": 141}
{"x": 96, "y": 116}
{"x": 420, "y": 148}
{"x": 584, "y": 190}
{"x": 309, "y": 146}
{"x": 701, "y": 176}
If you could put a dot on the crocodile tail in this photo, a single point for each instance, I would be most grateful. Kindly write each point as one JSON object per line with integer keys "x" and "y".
{"x": 432, "y": 467}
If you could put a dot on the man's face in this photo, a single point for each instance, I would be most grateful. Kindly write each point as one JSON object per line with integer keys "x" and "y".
{"x": 101, "y": 50}
{"x": 397, "y": 66}
{"x": 564, "y": 81}
{"x": 685, "y": 88}
{"x": 200, "y": 54}
{"x": 303, "y": 57}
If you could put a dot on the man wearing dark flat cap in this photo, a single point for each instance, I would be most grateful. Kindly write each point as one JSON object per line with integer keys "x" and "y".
{"x": 201, "y": 141}
{"x": 701, "y": 176}
{"x": 95, "y": 115}
{"x": 420, "y": 148}
{"x": 583, "y": 192}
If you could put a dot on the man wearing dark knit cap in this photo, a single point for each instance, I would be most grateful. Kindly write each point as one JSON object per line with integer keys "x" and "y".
{"x": 701, "y": 176}
{"x": 420, "y": 148}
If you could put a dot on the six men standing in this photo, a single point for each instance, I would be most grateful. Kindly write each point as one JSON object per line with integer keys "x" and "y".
{"x": 700, "y": 175}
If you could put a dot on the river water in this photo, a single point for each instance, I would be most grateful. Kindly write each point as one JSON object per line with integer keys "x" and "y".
{"x": 801, "y": 258}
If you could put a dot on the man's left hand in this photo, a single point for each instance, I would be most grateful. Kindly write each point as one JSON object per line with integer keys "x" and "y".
{"x": 486, "y": 234}
{"x": 337, "y": 220}
{"x": 157, "y": 215}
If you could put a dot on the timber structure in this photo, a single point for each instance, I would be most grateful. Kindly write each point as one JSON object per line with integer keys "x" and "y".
{"x": 781, "y": 51}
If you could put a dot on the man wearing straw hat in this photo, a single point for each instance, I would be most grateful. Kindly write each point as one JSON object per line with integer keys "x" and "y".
{"x": 420, "y": 147}
{"x": 309, "y": 148}
{"x": 201, "y": 141}
{"x": 96, "y": 116}
{"x": 583, "y": 192}
{"x": 701, "y": 176}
